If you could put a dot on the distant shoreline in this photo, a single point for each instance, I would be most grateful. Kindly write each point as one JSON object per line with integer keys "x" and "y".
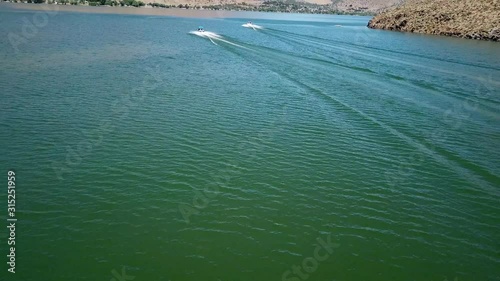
{"x": 143, "y": 9}
{"x": 174, "y": 12}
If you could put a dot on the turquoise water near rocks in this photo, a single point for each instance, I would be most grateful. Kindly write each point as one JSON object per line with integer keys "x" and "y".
{"x": 142, "y": 149}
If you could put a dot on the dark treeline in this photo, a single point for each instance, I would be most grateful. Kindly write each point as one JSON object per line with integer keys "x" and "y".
{"x": 287, "y": 6}
{"x": 133, "y": 3}
{"x": 269, "y": 6}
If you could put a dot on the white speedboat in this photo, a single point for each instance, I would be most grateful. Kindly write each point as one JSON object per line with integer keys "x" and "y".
{"x": 205, "y": 34}
{"x": 252, "y": 25}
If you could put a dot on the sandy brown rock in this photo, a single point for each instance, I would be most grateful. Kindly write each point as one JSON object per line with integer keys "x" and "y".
{"x": 474, "y": 19}
{"x": 367, "y": 5}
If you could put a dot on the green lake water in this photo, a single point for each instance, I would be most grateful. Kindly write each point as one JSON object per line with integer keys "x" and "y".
{"x": 141, "y": 148}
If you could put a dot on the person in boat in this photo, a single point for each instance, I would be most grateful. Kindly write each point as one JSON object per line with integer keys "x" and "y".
{"x": 200, "y": 28}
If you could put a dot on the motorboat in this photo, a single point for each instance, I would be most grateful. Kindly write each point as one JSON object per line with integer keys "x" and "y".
{"x": 205, "y": 34}
{"x": 252, "y": 25}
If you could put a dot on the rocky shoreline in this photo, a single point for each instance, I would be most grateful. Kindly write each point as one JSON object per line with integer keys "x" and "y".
{"x": 473, "y": 19}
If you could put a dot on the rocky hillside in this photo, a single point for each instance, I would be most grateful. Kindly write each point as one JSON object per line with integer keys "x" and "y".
{"x": 475, "y": 19}
{"x": 367, "y": 5}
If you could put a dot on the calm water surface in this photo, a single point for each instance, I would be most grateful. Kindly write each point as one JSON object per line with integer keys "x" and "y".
{"x": 140, "y": 147}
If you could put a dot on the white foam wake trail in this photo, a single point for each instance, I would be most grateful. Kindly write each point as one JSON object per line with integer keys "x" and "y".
{"x": 252, "y": 26}
{"x": 481, "y": 79}
{"x": 212, "y": 41}
{"x": 231, "y": 43}
{"x": 205, "y": 34}
{"x": 214, "y": 36}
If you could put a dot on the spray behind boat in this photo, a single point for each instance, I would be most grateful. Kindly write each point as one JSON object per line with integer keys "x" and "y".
{"x": 252, "y": 25}
{"x": 213, "y": 37}
{"x": 206, "y": 34}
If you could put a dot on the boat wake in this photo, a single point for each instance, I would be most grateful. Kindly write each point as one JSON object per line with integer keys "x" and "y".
{"x": 207, "y": 34}
{"x": 213, "y": 37}
{"x": 253, "y": 26}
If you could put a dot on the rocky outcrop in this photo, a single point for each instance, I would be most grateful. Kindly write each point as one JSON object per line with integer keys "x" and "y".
{"x": 474, "y": 19}
{"x": 363, "y": 5}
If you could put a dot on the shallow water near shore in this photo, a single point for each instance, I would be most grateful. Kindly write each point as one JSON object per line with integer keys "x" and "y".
{"x": 144, "y": 149}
